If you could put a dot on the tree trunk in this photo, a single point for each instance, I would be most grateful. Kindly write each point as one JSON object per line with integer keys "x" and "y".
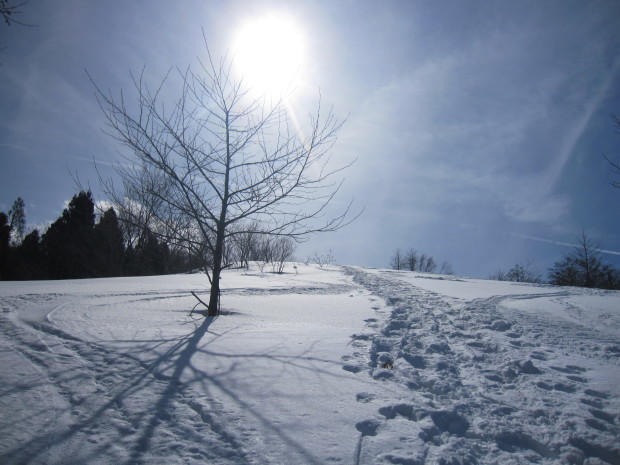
{"x": 215, "y": 277}
{"x": 215, "y": 293}
{"x": 221, "y": 233}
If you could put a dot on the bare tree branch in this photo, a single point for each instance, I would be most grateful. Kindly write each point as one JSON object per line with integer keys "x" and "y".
{"x": 217, "y": 163}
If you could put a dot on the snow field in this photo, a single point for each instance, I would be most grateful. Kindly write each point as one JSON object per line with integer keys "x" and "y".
{"x": 330, "y": 365}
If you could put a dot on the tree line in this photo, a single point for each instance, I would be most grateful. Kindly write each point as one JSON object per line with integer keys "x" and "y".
{"x": 78, "y": 245}
{"x": 414, "y": 261}
{"x": 581, "y": 265}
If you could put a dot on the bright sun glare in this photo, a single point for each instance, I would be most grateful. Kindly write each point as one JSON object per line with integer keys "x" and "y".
{"x": 269, "y": 53}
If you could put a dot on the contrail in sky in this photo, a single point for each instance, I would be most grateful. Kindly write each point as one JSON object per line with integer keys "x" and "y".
{"x": 549, "y": 241}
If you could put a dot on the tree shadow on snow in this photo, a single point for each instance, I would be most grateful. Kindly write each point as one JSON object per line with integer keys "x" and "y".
{"x": 137, "y": 430}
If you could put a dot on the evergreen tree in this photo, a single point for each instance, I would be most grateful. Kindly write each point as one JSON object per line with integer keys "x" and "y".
{"x": 5, "y": 238}
{"x": 28, "y": 263}
{"x": 148, "y": 257}
{"x": 68, "y": 243}
{"x": 109, "y": 248}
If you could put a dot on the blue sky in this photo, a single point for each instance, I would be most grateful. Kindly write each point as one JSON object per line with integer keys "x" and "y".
{"x": 479, "y": 127}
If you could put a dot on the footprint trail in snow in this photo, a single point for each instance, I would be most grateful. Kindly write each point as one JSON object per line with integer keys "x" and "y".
{"x": 480, "y": 385}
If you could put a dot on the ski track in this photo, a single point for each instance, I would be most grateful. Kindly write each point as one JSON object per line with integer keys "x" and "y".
{"x": 478, "y": 386}
{"x": 102, "y": 404}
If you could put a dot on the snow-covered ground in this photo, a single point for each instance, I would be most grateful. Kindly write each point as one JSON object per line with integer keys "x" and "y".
{"x": 330, "y": 365}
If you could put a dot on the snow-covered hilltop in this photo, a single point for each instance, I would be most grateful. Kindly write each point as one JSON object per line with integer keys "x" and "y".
{"x": 326, "y": 365}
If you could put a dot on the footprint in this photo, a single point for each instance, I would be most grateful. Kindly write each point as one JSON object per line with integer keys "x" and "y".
{"x": 576, "y": 368}
{"x": 450, "y": 421}
{"x": 545, "y": 386}
{"x": 512, "y": 441}
{"x": 364, "y": 397}
{"x": 368, "y": 427}
{"x": 503, "y": 411}
{"x": 564, "y": 387}
{"x": 592, "y": 423}
{"x": 528, "y": 368}
{"x": 500, "y": 325}
{"x": 404, "y": 410}
{"x": 439, "y": 348}
{"x": 352, "y": 368}
{"x": 416, "y": 361}
{"x": 398, "y": 460}
{"x": 601, "y": 415}
{"x": 592, "y": 403}
{"x": 538, "y": 356}
{"x": 597, "y": 394}
{"x": 572, "y": 369}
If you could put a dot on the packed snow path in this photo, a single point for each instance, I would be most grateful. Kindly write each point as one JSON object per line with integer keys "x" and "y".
{"x": 487, "y": 385}
{"x": 326, "y": 366}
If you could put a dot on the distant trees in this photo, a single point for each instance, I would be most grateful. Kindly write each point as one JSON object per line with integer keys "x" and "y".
{"x": 321, "y": 259}
{"x": 582, "y": 266}
{"x": 412, "y": 261}
{"x": 68, "y": 243}
{"x": 5, "y": 240}
{"x": 111, "y": 248}
{"x": 521, "y": 273}
{"x": 77, "y": 246}
{"x": 397, "y": 261}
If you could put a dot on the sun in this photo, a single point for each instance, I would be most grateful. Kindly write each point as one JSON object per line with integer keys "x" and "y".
{"x": 268, "y": 52}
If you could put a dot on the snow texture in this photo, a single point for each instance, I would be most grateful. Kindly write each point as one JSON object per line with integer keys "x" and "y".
{"x": 325, "y": 365}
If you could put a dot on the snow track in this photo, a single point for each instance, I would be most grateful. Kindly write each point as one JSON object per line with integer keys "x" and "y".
{"x": 484, "y": 385}
{"x": 331, "y": 365}
{"x": 100, "y": 404}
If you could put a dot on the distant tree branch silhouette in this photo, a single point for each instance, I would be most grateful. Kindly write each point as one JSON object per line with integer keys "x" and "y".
{"x": 583, "y": 266}
{"x": 614, "y": 165}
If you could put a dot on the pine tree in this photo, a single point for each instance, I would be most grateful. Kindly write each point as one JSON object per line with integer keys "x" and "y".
{"x": 109, "y": 248}
{"x": 5, "y": 238}
{"x": 68, "y": 243}
{"x": 29, "y": 258}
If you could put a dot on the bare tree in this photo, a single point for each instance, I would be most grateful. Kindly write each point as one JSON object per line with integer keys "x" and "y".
{"x": 17, "y": 219}
{"x": 422, "y": 262}
{"x": 583, "y": 266}
{"x": 411, "y": 259}
{"x": 614, "y": 165}
{"x": 216, "y": 157}
{"x": 521, "y": 273}
{"x": 9, "y": 11}
{"x": 398, "y": 261}
{"x": 321, "y": 259}
{"x": 283, "y": 250}
{"x": 446, "y": 268}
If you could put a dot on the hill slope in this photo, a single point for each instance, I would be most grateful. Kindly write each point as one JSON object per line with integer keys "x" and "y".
{"x": 333, "y": 365}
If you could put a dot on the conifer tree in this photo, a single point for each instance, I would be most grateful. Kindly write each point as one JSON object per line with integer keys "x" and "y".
{"x": 109, "y": 248}
{"x": 68, "y": 243}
